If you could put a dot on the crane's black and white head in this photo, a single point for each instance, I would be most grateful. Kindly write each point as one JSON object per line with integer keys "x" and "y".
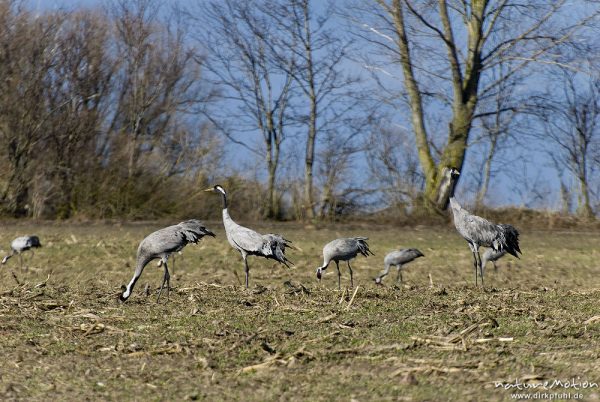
{"x": 216, "y": 189}
{"x": 448, "y": 183}
{"x": 125, "y": 295}
{"x": 319, "y": 273}
{"x": 453, "y": 172}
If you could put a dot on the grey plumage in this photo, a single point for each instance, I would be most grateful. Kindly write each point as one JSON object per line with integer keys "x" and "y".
{"x": 20, "y": 245}
{"x": 479, "y": 232}
{"x": 248, "y": 242}
{"x": 493, "y": 256}
{"x": 398, "y": 258}
{"x": 343, "y": 249}
{"x": 161, "y": 244}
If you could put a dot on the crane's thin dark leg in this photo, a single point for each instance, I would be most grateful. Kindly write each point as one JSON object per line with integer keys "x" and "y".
{"x": 351, "y": 279}
{"x": 480, "y": 269}
{"x": 495, "y": 267}
{"x": 247, "y": 270}
{"x": 399, "y": 277}
{"x": 166, "y": 280}
{"x": 475, "y": 265}
{"x": 337, "y": 265}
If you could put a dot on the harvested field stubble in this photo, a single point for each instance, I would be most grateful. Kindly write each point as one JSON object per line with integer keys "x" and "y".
{"x": 63, "y": 333}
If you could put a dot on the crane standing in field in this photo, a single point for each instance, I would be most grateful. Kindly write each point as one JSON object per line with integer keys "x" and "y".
{"x": 478, "y": 231}
{"x": 161, "y": 244}
{"x": 248, "y": 242}
{"x": 493, "y": 256}
{"x": 343, "y": 250}
{"x": 20, "y": 245}
{"x": 398, "y": 258}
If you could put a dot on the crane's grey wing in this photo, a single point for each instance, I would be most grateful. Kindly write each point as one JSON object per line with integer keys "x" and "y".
{"x": 20, "y": 243}
{"x": 415, "y": 253}
{"x": 340, "y": 247}
{"x": 346, "y": 248}
{"x": 247, "y": 239}
{"x": 478, "y": 229}
{"x": 166, "y": 240}
{"x": 402, "y": 256}
{"x": 173, "y": 238}
{"x": 493, "y": 255}
{"x": 194, "y": 230}
{"x": 391, "y": 257}
{"x": 410, "y": 254}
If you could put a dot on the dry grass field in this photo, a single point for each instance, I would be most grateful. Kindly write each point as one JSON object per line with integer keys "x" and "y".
{"x": 65, "y": 336}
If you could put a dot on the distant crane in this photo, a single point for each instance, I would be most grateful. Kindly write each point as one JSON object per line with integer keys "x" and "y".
{"x": 493, "y": 256}
{"x": 20, "y": 245}
{"x": 248, "y": 242}
{"x": 161, "y": 244}
{"x": 478, "y": 231}
{"x": 343, "y": 249}
{"x": 398, "y": 258}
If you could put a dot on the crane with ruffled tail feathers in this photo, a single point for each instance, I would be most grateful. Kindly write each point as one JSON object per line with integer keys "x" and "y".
{"x": 21, "y": 244}
{"x": 478, "y": 231}
{"x": 344, "y": 249}
{"x": 161, "y": 244}
{"x": 492, "y": 256}
{"x": 248, "y": 242}
{"x": 398, "y": 258}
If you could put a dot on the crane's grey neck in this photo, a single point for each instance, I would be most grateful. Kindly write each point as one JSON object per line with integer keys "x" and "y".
{"x": 141, "y": 263}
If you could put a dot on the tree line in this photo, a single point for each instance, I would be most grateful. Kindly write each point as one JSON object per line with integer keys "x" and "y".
{"x": 304, "y": 109}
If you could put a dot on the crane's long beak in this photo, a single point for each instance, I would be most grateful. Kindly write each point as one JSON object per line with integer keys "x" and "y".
{"x": 209, "y": 189}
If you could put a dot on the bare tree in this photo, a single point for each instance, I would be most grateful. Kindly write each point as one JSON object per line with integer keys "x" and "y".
{"x": 79, "y": 89}
{"x": 394, "y": 166}
{"x": 254, "y": 86}
{"x": 27, "y": 46}
{"x": 156, "y": 83}
{"x": 446, "y": 49}
{"x": 571, "y": 123}
{"x": 495, "y": 127}
{"x": 340, "y": 190}
{"x": 331, "y": 94}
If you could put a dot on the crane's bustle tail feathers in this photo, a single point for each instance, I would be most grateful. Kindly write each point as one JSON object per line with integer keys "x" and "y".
{"x": 511, "y": 239}
{"x": 274, "y": 247}
{"x": 194, "y": 230}
{"x": 363, "y": 247}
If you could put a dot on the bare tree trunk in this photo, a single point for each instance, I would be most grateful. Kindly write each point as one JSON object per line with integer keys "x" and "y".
{"x": 565, "y": 196}
{"x": 465, "y": 88}
{"x": 272, "y": 163}
{"x": 584, "y": 209}
{"x": 309, "y": 202}
{"x": 477, "y": 22}
{"x": 308, "y": 165}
